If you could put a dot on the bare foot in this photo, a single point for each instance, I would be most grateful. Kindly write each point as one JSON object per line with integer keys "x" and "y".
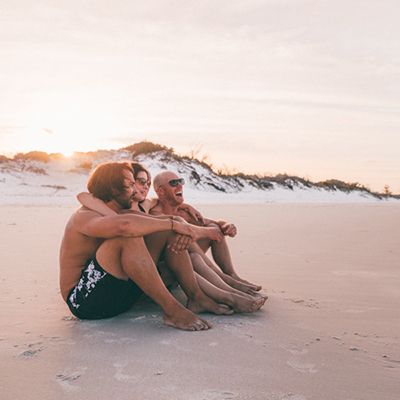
{"x": 259, "y": 295}
{"x": 252, "y": 285}
{"x": 244, "y": 305}
{"x": 239, "y": 285}
{"x": 185, "y": 319}
{"x": 203, "y": 303}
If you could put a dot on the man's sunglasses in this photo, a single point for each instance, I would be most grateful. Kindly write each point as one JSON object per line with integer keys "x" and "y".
{"x": 142, "y": 181}
{"x": 176, "y": 182}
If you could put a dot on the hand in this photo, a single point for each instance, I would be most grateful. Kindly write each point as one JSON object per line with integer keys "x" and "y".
{"x": 228, "y": 229}
{"x": 180, "y": 243}
{"x": 214, "y": 233}
{"x": 198, "y": 232}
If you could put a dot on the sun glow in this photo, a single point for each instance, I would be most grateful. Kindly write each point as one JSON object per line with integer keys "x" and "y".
{"x": 67, "y": 132}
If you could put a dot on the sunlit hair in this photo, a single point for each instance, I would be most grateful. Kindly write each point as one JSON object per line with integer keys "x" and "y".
{"x": 137, "y": 167}
{"x": 107, "y": 180}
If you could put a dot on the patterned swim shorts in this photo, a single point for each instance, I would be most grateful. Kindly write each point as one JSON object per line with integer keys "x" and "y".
{"x": 99, "y": 295}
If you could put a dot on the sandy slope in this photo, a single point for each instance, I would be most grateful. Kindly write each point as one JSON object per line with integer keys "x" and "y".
{"x": 330, "y": 330}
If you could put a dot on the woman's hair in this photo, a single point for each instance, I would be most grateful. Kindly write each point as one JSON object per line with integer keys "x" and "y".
{"x": 107, "y": 180}
{"x": 136, "y": 168}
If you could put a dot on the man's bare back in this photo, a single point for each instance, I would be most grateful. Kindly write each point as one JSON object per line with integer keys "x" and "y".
{"x": 76, "y": 249}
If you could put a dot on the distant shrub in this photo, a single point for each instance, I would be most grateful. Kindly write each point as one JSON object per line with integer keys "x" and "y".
{"x": 386, "y": 191}
{"x": 86, "y": 165}
{"x": 335, "y": 184}
{"x": 33, "y": 155}
{"x": 4, "y": 158}
{"x": 146, "y": 147}
{"x": 35, "y": 170}
{"x": 57, "y": 187}
{"x": 56, "y": 156}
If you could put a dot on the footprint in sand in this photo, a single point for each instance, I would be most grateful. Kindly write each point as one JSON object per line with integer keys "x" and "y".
{"x": 33, "y": 350}
{"x": 302, "y": 367}
{"x": 292, "y": 396}
{"x": 124, "y": 340}
{"x": 218, "y": 395}
{"x": 394, "y": 363}
{"x": 120, "y": 375}
{"x": 295, "y": 351}
{"x": 311, "y": 303}
{"x": 68, "y": 376}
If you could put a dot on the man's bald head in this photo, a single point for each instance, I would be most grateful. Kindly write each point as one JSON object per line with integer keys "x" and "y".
{"x": 167, "y": 190}
{"x": 163, "y": 178}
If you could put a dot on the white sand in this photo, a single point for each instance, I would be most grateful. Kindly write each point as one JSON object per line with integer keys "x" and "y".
{"x": 330, "y": 329}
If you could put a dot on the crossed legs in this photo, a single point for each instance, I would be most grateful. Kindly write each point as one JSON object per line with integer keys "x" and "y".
{"x": 205, "y": 278}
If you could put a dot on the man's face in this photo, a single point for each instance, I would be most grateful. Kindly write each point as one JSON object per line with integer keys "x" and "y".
{"x": 172, "y": 189}
{"x": 125, "y": 198}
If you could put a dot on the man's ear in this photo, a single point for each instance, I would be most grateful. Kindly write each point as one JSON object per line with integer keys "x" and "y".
{"x": 160, "y": 191}
{"x": 115, "y": 192}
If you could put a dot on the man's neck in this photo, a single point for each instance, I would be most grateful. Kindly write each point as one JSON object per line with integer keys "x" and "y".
{"x": 168, "y": 208}
{"x": 114, "y": 206}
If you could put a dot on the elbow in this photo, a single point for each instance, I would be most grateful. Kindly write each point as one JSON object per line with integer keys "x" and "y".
{"x": 125, "y": 228}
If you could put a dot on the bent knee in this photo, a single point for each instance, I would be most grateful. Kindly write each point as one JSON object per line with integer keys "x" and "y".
{"x": 131, "y": 241}
{"x": 120, "y": 242}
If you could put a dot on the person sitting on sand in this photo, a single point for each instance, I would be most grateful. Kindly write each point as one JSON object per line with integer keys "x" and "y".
{"x": 169, "y": 189}
{"x": 207, "y": 279}
{"x": 105, "y": 264}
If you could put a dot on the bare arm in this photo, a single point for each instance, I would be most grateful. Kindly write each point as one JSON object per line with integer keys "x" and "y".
{"x": 95, "y": 204}
{"x": 91, "y": 224}
{"x": 195, "y": 214}
{"x": 227, "y": 228}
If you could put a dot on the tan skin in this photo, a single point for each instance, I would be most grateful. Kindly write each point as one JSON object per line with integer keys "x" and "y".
{"x": 207, "y": 279}
{"x": 170, "y": 199}
{"x": 117, "y": 241}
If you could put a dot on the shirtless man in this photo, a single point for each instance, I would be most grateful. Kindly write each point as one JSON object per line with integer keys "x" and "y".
{"x": 169, "y": 189}
{"x": 105, "y": 265}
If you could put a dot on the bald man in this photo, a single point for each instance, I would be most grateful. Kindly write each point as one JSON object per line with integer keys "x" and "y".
{"x": 169, "y": 189}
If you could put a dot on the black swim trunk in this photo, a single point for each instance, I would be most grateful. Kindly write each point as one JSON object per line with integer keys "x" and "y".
{"x": 100, "y": 295}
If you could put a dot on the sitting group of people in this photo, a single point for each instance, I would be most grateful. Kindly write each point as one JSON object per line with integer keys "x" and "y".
{"x": 120, "y": 244}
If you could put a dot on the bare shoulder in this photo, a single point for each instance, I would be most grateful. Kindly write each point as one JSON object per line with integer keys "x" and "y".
{"x": 156, "y": 209}
{"x": 82, "y": 216}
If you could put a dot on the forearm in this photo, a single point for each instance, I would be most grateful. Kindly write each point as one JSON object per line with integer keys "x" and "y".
{"x": 140, "y": 225}
{"x": 211, "y": 222}
{"x": 92, "y": 203}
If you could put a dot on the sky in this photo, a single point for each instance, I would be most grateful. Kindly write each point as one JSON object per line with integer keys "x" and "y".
{"x": 304, "y": 87}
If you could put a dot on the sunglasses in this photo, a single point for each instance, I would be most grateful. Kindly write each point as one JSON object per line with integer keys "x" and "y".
{"x": 142, "y": 181}
{"x": 176, "y": 182}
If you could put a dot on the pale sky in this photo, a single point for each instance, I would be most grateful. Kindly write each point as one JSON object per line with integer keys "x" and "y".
{"x": 310, "y": 88}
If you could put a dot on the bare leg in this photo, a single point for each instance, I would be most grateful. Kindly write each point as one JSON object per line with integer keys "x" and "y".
{"x": 238, "y": 284}
{"x": 213, "y": 275}
{"x": 181, "y": 266}
{"x": 128, "y": 258}
{"x": 238, "y": 302}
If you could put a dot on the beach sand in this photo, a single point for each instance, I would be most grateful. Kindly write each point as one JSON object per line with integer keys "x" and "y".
{"x": 330, "y": 329}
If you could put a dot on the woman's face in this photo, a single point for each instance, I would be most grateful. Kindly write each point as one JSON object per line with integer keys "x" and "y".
{"x": 142, "y": 184}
